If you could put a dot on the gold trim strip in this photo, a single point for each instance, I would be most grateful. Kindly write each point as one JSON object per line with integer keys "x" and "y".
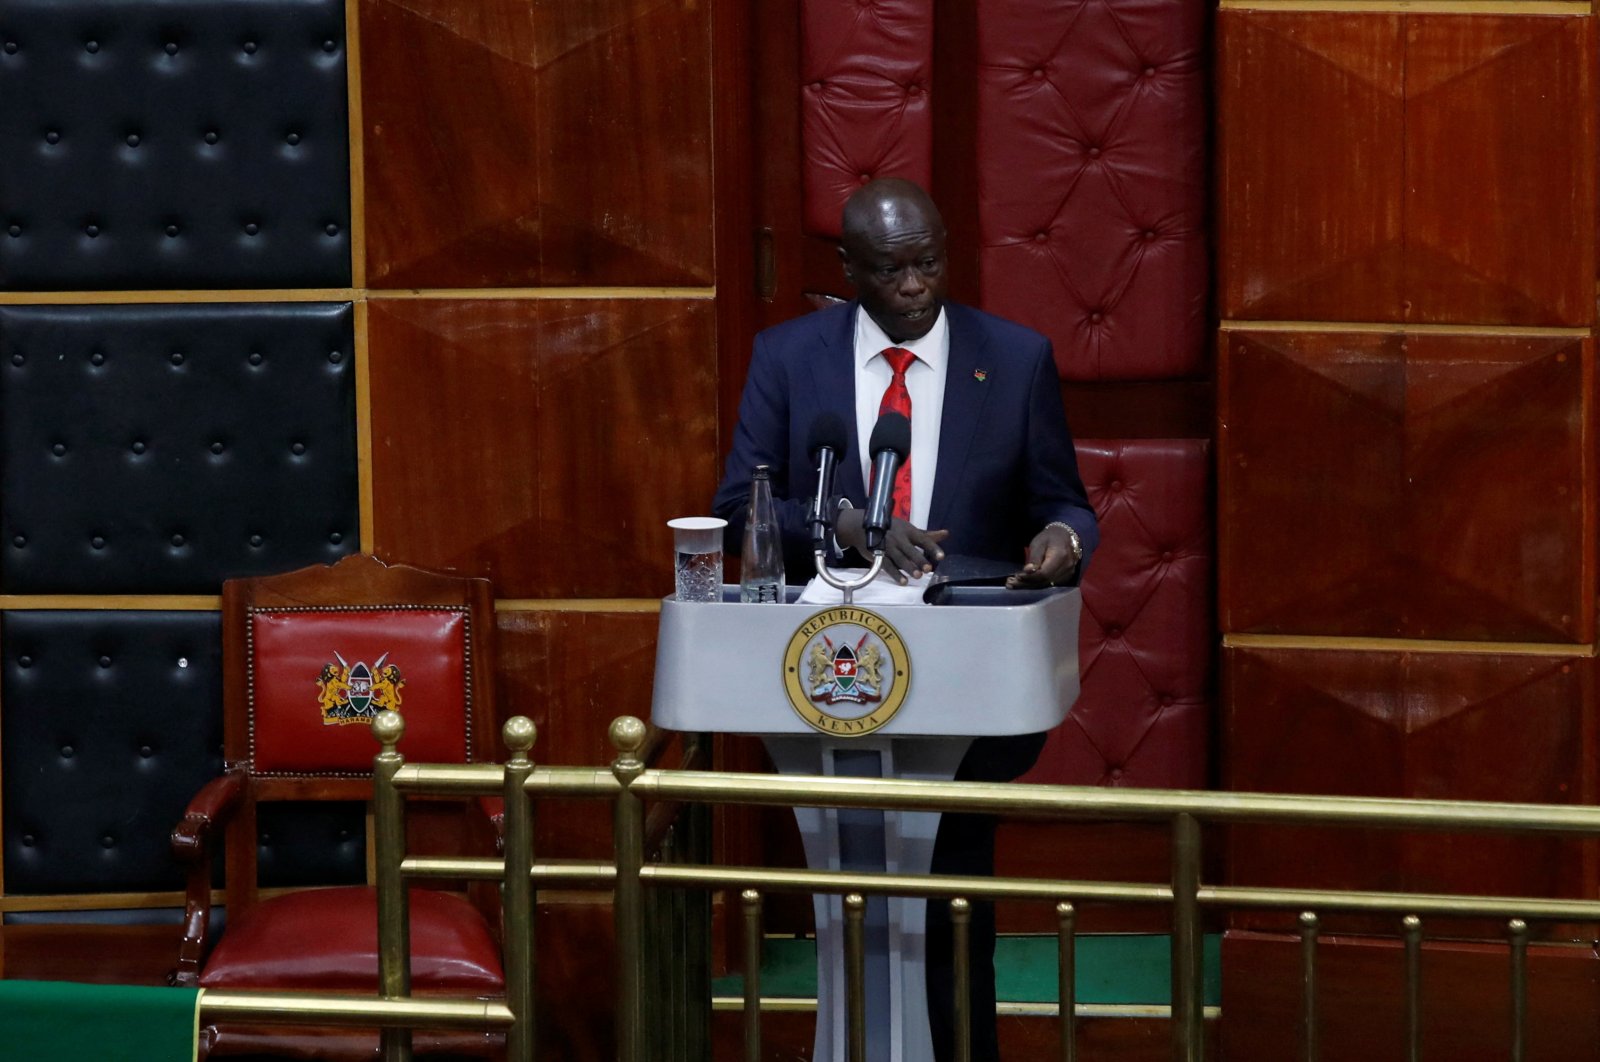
{"x": 356, "y": 130}
{"x": 803, "y": 1005}
{"x": 117, "y": 298}
{"x": 365, "y": 505}
{"x": 1403, "y": 328}
{"x": 578, "y": 604}
{"x": 542, "y": 293}
{"x": 1417, "y": 7}
{"x": 113, "y": 602}
{"x": 98, "y": 901}
{"x": 1404, "y": 645}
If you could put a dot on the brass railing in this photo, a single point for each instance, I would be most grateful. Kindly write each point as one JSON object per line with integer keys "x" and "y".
{"x": 661, "y": 902}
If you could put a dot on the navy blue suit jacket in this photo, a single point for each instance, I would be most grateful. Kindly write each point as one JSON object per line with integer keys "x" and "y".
{"x": 1006, "y": 462}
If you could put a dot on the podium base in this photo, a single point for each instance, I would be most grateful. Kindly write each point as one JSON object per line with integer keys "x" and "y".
{"x": 875, "y": 841}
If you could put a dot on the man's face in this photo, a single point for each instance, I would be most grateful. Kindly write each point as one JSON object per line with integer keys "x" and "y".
{"x": 897, "y": 265}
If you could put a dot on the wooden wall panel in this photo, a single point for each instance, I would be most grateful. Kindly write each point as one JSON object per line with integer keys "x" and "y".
{"x": 1500, "y": 169}
{"x": 1310, "y": 130}
{"x": 1406, "y": 485}
{"x": 1387, "y": 723}
{"x": 572, "y": 673}
{"x": 1466, "y": 1012}
{"x": 542, "y": 443}
{"x": 511, "y": 143}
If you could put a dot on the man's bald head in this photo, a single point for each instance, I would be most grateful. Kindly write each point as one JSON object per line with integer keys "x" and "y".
{"x": 892, "y": 247}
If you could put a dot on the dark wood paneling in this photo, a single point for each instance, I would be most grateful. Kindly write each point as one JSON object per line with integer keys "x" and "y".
{"x": 112, "y": 955}
{"x": 1500, "y": 169}
{"x": 575, "y": 990}
{"x": 1310, "y": 143}
{"x": 1442, "y": 726}
{"x": 514, "y": 144}
{"x": 572, "y": 673}
{"x": 1466, "y": 1013}
{"x": 542, "y": 443}
{"x": 1420, "y": 486}
{"x": 1085, "y": 852}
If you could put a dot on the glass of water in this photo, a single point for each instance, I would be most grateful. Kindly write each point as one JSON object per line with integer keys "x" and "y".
{"x": 698, "y": 541}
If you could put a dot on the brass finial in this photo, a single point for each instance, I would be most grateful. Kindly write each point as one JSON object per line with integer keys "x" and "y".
{"x": 388, "y": 727}
{"x": 1412, "y": 923}
{"x": 1517, "y": 927}
{"x": 960, "y": 908}
{"x": 1308, "y": 919}
{"x": 519, "y": 734}
{"x": 627, "y": 734}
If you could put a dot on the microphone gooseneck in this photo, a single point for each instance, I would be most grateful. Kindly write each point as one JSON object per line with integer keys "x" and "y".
{"x": 825, "y": 443}
{"x": 890, "y": 445}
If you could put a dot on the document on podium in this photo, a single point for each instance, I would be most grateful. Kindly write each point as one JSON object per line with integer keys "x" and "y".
{"x": 881, "y": 591}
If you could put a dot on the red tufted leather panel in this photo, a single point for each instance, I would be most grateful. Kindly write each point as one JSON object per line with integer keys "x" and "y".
{"x": 1091, "y": 180}
{"x": 1146, "y": 634}
{"x": 327, "y": 940}
{"x": 865, "y": 67}
{"x": 289, "y": 652}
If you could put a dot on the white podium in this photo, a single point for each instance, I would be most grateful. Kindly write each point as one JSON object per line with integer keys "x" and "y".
{"x": 891, "y": 691}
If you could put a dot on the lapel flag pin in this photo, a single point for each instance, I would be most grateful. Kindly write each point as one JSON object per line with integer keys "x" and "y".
{"x": 980, "y": 374}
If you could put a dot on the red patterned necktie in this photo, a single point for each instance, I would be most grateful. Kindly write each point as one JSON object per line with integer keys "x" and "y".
{"x": 896, "y": 399}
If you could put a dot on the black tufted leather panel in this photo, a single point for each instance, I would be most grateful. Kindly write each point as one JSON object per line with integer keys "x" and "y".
{"x": 162, "y": 449}
{"x": 112, "y": 721}
{"x": 173, "y": 144}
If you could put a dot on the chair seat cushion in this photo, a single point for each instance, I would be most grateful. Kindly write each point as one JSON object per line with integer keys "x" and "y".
{"x": 327, "y": 940}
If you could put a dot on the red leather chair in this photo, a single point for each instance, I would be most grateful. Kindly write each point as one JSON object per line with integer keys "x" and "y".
{"x": 308, "y": 658}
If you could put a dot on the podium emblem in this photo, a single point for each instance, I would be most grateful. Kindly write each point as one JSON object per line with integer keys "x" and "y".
{"x": 847, "y": 671}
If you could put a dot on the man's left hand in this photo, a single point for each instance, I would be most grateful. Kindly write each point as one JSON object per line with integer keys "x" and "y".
{"x": 1051, "y": 560}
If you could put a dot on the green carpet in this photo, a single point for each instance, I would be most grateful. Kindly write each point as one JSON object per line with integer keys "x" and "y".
{"x": 1113, "y": 969}
{"x": 66, "y": 1022}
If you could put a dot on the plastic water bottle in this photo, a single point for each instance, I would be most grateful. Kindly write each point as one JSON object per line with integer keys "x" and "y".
{"x": 761, "y": 566}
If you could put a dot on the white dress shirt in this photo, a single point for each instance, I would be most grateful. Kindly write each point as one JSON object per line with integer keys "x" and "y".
{"x": 924, "y": 382}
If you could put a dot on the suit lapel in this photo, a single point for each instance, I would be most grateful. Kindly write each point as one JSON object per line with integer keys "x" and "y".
{"x": 964, "y": 399}
{"x": 833, "y": 373}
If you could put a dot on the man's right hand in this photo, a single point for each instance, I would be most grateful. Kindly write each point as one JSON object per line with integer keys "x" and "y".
{"x": 909, "y": 552}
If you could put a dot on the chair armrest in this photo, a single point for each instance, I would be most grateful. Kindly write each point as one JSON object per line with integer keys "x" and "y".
{"x": 494, "y": 810}
{"x": 192, "y": 842}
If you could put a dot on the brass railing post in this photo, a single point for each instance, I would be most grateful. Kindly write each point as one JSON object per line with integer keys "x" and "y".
{"x": 516, "y": 892}
{"x": 389, "y": 842}
{"x": 1067, "y": 979}
{"x": 1188, "y": 982}
{"x": 1517, "y": 930}
{"x": 1309, "y": 924}
{"x": 752, "y": 974}
{"x": 961, "y": 948}
{"x": 855, "y": 975}
{"x": 627, "y": 737}
{"x": 1412, "y": 926}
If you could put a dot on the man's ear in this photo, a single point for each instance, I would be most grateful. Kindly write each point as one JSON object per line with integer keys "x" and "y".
{"x": 844, "y": 261}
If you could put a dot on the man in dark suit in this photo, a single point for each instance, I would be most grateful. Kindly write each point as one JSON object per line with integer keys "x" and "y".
{"x": 993, "y": 475}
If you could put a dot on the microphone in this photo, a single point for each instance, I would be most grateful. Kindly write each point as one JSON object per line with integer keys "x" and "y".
{"x": 891, "y": 444}
{"x": 826, "y": 443}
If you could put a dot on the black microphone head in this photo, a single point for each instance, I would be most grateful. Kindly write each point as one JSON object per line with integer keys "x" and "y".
{"x": 827, "y": 432}
{"x": 892, "y": 432}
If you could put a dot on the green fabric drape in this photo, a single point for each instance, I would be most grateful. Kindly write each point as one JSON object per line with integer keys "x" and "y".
{"x": 63, "y": 1021}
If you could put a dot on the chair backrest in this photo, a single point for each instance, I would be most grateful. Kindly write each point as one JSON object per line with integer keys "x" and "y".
{"x": 310, "y": 656}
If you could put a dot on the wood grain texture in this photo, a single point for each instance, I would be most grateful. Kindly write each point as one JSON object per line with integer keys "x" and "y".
{"x": 572, "y": 673}
{"x": 1423, "y": 725}
{"x": 1466, "y": 1015}
{"x": 1310, "y": 150}
{"x": 515, "y": 143}
{"x": 541, "y": 443}
{"x": 1415, "y": 486}
{"x": 1500, "y": 169}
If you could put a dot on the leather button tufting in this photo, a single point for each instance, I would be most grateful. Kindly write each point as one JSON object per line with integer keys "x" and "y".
{"x": 1096, "y": 317}
{"x": 59, "y": 449}
{"x": 217, "y": 447}
{"x": 178, "y": 541}
{"x": 91, "y": 230}
{"x": 212, "y": 136}
{"x": 251, "y": 228}
{"x": 335, "y": 537}
{"x": 108, "y": 841}
{"x": 1149, "y": 71}
{"x": 171, "y": 48}
{"x": 1041, "y": 236}
{"x": 255, "y": 357}
{"x": 146, "y": 751}
{"x": 1113, "y": 632}
{"x": 256, "y": 540}
{"x": 292, "y": 139}
{"x": 133, "y": 139}
{"x": 297, "y": 448}
{"x": 19, "y": 541}
{"x": 250, "y": 47}
{"x": 1038, "y": 71}
{"x": 1116, "y": 774}
{"x": 28, "y": 840}
{"x": 138, "y": 446}
{"x": 1116, "y": 485}
{"x": 67, "y": 752}
{"x": 19, "y": 359}
{"x": 171, "y": 231}
{"x": 98, "y": 542}
{"x": 91, "y": 46}
{"x": 330, "y": 45}
{"x": 97, "y": 358}
{"x": 176, "y": 357}
{"x": 11, "y": 47}
{"x": 14, "y": 230}
{"x": 52, "y": 136}
{"x": 25, "y": 660}
{"x": 336, "y": 356}
{"x": 865, "y": 177}
{"x": 104, "y": 661}
{"x": 1094, "y": 153}
{"x": 331, "y": 229}
{"x": 1167, "y": 699}
{"x": 914, "y": 88}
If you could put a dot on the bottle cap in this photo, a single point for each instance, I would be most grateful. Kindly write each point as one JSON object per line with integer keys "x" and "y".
{"x": 763, "y": 472}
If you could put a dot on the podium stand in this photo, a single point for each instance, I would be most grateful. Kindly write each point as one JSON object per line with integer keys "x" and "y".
{"x": 892, "y": 691}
